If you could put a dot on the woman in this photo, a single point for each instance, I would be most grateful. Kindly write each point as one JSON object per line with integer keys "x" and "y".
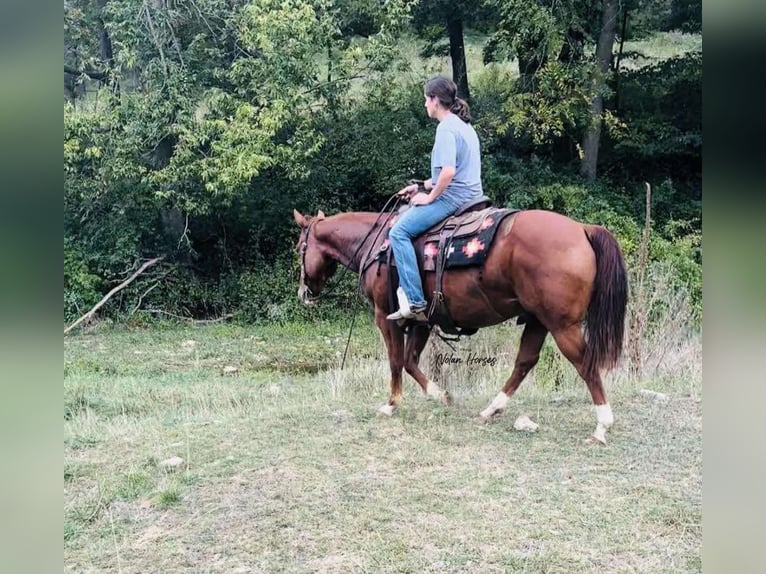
{"x": 455, "y": 180}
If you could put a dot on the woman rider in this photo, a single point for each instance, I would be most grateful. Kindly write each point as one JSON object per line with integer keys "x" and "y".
{"x": 455, "y": 180}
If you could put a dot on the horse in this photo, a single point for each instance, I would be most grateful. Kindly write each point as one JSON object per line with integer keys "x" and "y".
{"x": 567, "y": 278}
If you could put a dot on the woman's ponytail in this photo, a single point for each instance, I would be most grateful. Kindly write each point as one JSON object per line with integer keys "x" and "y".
{"x": 461, "y": 109}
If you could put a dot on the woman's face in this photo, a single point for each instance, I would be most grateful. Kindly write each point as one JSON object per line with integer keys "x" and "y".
{"x": 431, "y": 103}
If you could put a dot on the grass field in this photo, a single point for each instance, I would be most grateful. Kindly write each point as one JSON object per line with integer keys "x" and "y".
{"x": 287, "y": 468}
{"x": 636, "y": 54}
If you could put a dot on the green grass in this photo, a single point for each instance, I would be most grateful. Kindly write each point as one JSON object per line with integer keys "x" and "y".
{"x": 657, "y": 47}
{"x": 288, "y": 468}
{"x": 169, "y": 498}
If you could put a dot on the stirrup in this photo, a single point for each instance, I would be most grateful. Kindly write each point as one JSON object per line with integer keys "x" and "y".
{"x": 405, "y": 311}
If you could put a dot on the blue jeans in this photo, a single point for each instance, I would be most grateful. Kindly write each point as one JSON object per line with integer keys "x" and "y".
{"x": 409, "y": 225}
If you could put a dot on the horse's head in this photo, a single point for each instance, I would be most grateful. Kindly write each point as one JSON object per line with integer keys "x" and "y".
{"x": 316, "y": 266}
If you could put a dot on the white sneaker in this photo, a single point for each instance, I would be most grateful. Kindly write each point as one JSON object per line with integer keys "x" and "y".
{"x": 405, "y": 310}
{"x": 418, "y": 313}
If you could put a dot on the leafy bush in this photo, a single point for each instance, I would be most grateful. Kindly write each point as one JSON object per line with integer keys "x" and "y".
{"x": 229, "y": 118}
{"x": 662, "y": 105}
{"x": 81, "y": 287}
{"x": 268, "y": 293}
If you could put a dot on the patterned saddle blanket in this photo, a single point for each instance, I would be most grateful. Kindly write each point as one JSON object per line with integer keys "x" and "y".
{"x": 467, "y": 239}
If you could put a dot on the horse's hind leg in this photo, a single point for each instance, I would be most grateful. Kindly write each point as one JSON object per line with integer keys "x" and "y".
{"x": 416, "y": 342}
{"x": 572, "y": 344}
{"x": 394, "y": 339}
{"x": 532, "y": 340}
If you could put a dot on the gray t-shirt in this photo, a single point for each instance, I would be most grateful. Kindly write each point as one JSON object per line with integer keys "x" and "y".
{"x": 457, "y": 145}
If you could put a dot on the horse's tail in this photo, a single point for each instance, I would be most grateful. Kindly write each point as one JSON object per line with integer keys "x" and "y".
{"x": 605, "y": 319}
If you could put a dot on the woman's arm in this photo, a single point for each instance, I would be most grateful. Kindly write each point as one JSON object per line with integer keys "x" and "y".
{"x": 445, "y": 177}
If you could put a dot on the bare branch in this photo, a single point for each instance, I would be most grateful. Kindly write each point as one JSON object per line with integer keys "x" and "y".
{"x": 156, "y": 40}
{"x": 176, "y": 43}
{"x": 202, "y": 17}
{"x": 141, "y": 298}
{"x": 108, "y": 296}
{"x": 185, "y": 234}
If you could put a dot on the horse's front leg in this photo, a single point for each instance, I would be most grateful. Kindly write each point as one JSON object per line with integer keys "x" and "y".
{"x": 416, "y": 342}
{"x": 394, "y": 338}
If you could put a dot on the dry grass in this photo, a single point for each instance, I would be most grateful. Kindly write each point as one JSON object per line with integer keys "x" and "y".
{"x": 293, "y": 472}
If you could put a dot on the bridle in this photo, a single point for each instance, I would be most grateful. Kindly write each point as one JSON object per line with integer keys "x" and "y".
{"x": 304, "y": 243}
{"x": 303, "y": 247}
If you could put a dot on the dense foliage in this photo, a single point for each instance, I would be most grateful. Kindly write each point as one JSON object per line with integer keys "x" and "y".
{"x": 194, "y": 127}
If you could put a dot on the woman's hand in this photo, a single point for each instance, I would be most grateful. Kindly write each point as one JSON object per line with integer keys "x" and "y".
{"x": 408, "y": 191}
{"x": 421, "y": 199}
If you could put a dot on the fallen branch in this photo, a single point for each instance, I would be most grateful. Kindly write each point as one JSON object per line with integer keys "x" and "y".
{"x": 194, "y": 321}
{"x": 108, "y": 296}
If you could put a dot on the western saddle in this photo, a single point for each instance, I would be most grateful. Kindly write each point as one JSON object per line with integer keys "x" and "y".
{"x": 468, "y": 220}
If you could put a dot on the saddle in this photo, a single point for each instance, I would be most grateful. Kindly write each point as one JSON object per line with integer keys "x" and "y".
{"x": 461, "y": 240}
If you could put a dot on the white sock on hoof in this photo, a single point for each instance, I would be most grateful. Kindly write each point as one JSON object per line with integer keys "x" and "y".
{"x": 387, "y": 410}
{"x": 600, "y": 433}
{"x": 604, "y": 415}
{"x": 497, "y": 405}
{"x": 604, "y": 419}
{"x": 434, "y": 391}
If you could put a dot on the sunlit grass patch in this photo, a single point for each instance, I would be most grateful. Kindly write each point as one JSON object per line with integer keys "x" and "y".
{"x": 657, "y": 47}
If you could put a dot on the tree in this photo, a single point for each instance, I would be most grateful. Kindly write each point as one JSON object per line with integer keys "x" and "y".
{"x": 435, "y": 20}
{"x": 561, "y": 89}
{"x": 88, "y": 51}
{"x": 603, "y": 63}
{"x": 218, "y": 99}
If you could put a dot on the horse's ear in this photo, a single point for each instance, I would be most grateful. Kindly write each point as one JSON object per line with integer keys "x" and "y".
{"x": 299, "y": 219}
{"x": 320, "y": 214}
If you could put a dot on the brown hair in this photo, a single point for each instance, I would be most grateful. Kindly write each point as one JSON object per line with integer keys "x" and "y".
{"x": 445, "y": 91}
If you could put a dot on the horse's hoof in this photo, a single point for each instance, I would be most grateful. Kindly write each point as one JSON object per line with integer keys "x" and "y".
{"x": 386, "y": 410}
{"x": 482, "y": 420}
{"x": 593, "y": 439}
{"x": 435, "y": 392}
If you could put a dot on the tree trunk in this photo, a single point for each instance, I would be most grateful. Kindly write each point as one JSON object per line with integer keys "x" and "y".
{"x": 105, "y": 48}
{"x": 619, "y": 59}
{"x": 104, "y": 41}
{"x": 528, "y": 68}
{"x": 603, "y": 60}
{"x": 457, "y": 54}
{"x": 70, "y": 88}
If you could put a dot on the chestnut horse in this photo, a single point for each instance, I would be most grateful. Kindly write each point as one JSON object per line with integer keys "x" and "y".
{"x": 567, "y": 277}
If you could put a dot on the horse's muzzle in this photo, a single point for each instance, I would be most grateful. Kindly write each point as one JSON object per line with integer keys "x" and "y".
{"x": 306, "y": 296}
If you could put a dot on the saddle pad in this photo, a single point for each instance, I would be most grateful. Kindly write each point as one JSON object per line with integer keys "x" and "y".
{"x": 466, "y": 251}
{"x": 469, "y": 250}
